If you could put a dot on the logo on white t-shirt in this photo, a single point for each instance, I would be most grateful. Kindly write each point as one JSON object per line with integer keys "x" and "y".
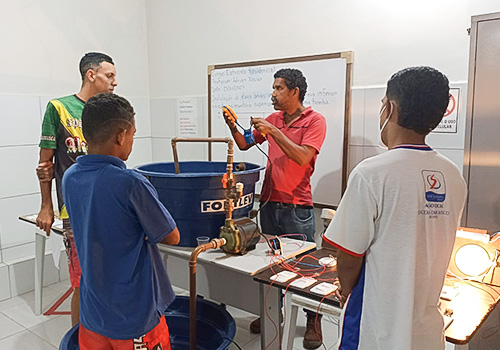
{"x": 435, "y": 187}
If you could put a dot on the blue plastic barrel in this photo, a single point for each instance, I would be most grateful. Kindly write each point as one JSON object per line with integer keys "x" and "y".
{"x": 215, "y": 326}
{"x": 70, "y": 339}
{"x": 195, "y": 197}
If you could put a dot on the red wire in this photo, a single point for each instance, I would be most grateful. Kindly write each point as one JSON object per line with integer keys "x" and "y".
{"x": 265, "y": 305}
{"x": 303, "y": 273}
{"x": 316, "y": 319}
{"x": 284, "y": 312}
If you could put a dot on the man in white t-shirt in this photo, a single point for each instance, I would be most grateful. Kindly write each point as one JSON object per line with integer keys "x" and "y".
{"x": 395, "y": 226}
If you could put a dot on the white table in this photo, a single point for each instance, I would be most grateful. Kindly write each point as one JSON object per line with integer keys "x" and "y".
{"x": 228, "y": 279}
{"x": 40, "y": 240}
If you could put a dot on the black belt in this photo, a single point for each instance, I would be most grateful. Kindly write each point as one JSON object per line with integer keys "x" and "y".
{"x": 291, "y": 205}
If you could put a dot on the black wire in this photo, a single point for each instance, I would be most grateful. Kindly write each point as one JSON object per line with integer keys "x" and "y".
{"x": 468, "y": 281}
{"x": 263, "y": 235}
{"x": 482, "y": 289}
{"x": 260, "y": 149}
{"x": 238, "y": 124}
{"x": 239, "y": 347}
{"x": 261, "y": 206}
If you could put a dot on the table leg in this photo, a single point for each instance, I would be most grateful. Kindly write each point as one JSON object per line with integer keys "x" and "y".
{"x": 270, "y": 310}
{"x": 290, "y": 322}
{"x": 40, "y": 239}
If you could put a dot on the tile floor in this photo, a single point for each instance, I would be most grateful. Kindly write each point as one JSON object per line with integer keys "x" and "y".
{"x": 21, "y": 329}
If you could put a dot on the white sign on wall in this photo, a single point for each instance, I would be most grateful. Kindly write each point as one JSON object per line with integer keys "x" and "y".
{"x": 449, "y": 122}
{"x": 187, "y": 117}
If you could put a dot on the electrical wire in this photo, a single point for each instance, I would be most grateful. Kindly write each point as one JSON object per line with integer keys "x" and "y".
{"x": 258, "y": 147}
{"x": 295, "y": 234}
{"x": 262, "y": 151}
{"x": 236, "y": 344}
{"x": 468, "y": 281}
{"x": 269, "y": 317}
{"x": 496, "y": 235}
{"x": 316, "y": 318}
{"x": 481, "y": 275}
{"x": 284, "y": 264}
{"x": 284, "y": 311}
{"x": 314, "y": 272}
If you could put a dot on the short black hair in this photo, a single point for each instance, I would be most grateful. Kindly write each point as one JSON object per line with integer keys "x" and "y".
{"x": 422, "y": 95}
{"x": 104, "y": 115}
{"x": 293, "y": 79}
{"x": 92, "y": 60}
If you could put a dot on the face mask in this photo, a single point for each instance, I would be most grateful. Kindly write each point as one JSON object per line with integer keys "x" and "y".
{"x": 381, "y": 144}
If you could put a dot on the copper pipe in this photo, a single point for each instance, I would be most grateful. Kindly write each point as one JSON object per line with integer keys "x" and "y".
{"x": 200, "y": 139}
{"x": 230, "y": 196}
{"x": 230, "y": 180}
{"x": 176, "y": 158}
{"x": 213, "y": 244}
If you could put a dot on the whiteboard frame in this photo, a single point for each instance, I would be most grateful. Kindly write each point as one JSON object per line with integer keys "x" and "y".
{"x": 347, "y": 55}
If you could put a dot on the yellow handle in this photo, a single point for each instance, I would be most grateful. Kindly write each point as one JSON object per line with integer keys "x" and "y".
{"x": 230, "y": 113}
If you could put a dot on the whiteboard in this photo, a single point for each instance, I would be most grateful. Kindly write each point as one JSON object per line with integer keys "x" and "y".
{"x": 247, "y": 89}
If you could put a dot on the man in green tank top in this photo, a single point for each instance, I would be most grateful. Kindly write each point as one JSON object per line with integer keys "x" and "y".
{"x": 61, "y": 142}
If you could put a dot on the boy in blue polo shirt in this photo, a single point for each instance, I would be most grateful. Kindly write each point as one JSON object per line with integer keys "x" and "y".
{"x": 117, "y": 221}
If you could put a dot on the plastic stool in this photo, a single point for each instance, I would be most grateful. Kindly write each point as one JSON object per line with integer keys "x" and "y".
{"x": 293, "y": 302}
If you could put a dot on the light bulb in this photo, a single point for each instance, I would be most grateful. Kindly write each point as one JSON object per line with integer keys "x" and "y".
{"x": 472, "y": 260}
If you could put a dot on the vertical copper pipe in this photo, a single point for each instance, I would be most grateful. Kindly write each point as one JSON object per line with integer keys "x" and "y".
{"x": 213, "y": 244}
{"x": 176, "y": 158}
{"x": 200, "y": 139}
{"x": 230, "y": 180}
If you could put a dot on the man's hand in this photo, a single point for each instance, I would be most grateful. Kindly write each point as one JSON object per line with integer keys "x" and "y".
{"x": 230, "y": 122}
{"x": 45, "y": 171}
{"x": 340, "y": 296}
{"x": 45, "y": 219}
{"x": 263, "y": 126}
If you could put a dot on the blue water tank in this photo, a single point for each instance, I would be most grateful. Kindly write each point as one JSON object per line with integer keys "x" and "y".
{"x": 215, "y": 326}
{"x": 195, "y": 197}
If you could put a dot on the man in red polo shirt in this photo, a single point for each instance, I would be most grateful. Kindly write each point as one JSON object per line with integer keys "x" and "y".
{"x": 295, "y": 135}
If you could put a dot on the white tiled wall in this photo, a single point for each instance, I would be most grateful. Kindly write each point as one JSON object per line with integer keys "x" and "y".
{"x": 357, "y": 117}
{"x": 5, "y": 282}
{"x": 23, "y": 113}
{"x": 19, "y": 137}
{"x": 18, "y": 170}
{"x": 164, "y": 127}
{"x": 141, "y": 152}
{"x": 14, "y": 232}
{"x": 366, "y": 103}
{"x": 142, "y": 116}
{"x": 20, "y": 270}
{"x": 163, "y": 117}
